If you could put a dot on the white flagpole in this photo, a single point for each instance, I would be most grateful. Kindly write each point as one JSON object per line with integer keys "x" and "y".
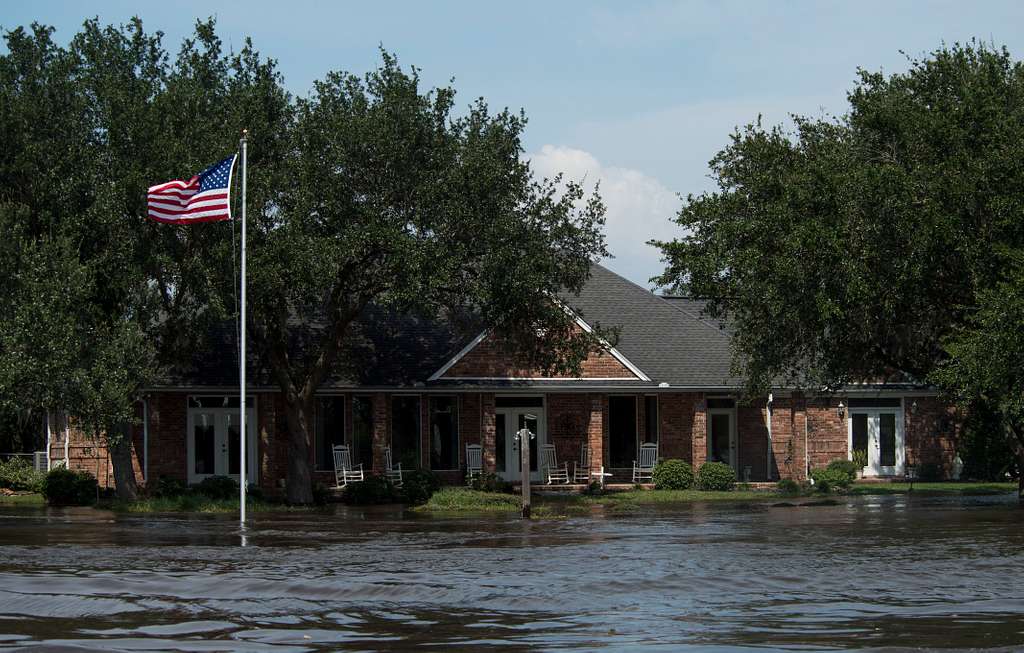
{"x": 241, "y": 356}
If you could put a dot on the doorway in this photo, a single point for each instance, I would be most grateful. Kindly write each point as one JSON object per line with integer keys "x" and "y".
{"x": 510, "y": 415}
{"x": 879, "y": 433}
{"x": 214, "y": 440}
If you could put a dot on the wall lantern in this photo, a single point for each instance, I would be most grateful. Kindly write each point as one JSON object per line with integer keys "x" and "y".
{"x": 913, "y": 408}
{"x": 841, "y": 410}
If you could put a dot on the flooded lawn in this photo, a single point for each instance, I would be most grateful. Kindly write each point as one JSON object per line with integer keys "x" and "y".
{"x": 870, "y": 573}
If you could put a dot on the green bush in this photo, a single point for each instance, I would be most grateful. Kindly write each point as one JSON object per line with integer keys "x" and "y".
{"x": 18, "y": 474}
{"x": 834, "y": 477}
{"x": 490, "y": 482}
{"x": 847, "y": 467}
{"x": 931, "y": 472}
{"x": 218, "y": 487}
{"x": 374, "y": 490}
{"x": 715, "y": 476}
{"x": 64, "y": 487}
{"x": 673, "y": 474}
{"x": 419, "y": 485}
{"x": 788, "y": 486}
{"x": 860, "y": 459}
{"x": 167, "y": 488}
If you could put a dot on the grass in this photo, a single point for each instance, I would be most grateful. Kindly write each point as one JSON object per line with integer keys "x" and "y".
{"x": 196, "y": 503}
{"x": 945, "y": 488}
{"x": 30, "y": 500}
{"x": 643, "y": 497}
{"x": 457, "y": 499}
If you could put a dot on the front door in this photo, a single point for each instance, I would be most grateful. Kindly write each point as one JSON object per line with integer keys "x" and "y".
{"x": 508, "y": 421}
{"x": 214, "y": 443}
{"x": 722, "y": 436}
{"x": 878, "y": 433}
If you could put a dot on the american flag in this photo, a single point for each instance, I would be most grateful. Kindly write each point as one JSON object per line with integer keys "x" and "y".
{"x": 203, "y": 198}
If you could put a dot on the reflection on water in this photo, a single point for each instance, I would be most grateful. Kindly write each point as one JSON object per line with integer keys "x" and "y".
{"x": 873, "y": 573}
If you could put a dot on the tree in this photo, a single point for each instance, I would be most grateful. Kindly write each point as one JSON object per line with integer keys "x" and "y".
{"x": 96, "y": 299}
{"x": 853, "y": 247}
{"x": 387, "y": 198}
{"x": 986, "y": 361}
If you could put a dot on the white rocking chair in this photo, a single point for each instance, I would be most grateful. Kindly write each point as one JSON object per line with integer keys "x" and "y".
{"x": 581, "y": 470}
{"x": 344, "y": 471}
{"x": 643, "y": 469}
{"x": 474, "y": 461}
{"x": 393, "y": 473}
{"x": 549, "y": 464}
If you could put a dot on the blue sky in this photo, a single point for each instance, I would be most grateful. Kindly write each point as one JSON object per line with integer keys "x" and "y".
{"x": 639, "y": 95}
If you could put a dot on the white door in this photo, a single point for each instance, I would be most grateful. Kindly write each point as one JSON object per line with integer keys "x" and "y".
{"x": 214, "y": 443}
{"x": 508, "y": 421}
{"x": 879, "y": 432}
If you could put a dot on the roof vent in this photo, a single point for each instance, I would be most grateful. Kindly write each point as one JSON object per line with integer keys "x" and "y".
{"x": 662, "y": 385}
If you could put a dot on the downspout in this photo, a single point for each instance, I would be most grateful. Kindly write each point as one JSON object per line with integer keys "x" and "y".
{"x": 49, "y": 440}
{"x": 145, "y": 440}
{"x": 807, "y": 454}
{"x": 768, "y": 423}
{"x": 67, "y": 441}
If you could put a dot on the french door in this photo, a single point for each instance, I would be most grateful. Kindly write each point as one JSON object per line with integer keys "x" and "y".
{"x": 507, "y": 422}
{"x": 722, "y": 437}
{"x": 879, "y": 433}
{"x": 214, "y": 443}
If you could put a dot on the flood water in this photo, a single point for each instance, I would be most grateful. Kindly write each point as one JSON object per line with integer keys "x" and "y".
{"x": 870, "y": 573}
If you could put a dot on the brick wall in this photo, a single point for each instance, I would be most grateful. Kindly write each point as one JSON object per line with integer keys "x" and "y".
{"x": 491, "y": 360}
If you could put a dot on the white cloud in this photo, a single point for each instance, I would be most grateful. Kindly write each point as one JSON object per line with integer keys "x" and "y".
{"x": 639, "y": 207}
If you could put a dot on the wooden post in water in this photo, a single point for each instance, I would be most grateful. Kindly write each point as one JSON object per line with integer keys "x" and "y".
{"x": 524, "y": 466}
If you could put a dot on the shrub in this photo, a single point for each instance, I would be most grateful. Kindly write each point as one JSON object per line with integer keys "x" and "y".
{"x": 673, "y": 474}
{"x": 374, "y": 490}
{"x": 788, "y": 486}
{"x": 419, "y": 485}
{"x": 321, "y": 494}
{"x": 931, "y": 471}
{"x": 844, "y": 466}
{"x": 490, "y": 482}
{"x": 715, "y": 476}
{"x": 833, "y": 477}
{"x": 64, "y": 487}
{"x": 218, "y": 487}
{"x": 169, "y": 487}
{"x": 860, "y": 459}
{"x": 18, "y": 474}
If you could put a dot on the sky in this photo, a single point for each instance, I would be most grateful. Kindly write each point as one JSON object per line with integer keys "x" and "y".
{"x": 637, "y": 95}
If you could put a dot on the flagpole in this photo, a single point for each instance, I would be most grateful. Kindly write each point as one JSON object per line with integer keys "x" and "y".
{"x": 241, "y": 357}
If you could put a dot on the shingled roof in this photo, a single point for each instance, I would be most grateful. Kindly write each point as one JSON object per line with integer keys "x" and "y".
{"x": 667, "y": 338}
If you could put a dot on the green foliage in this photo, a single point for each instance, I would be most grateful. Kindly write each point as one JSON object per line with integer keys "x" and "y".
{"x": 169, "y": 487}
{"x": 838, "y": 475}
{"x": 418, "y": 486}
{"x": 218, "y": 487}
{"x": 374, "y": 490}
{"x": 860, "y": 459}
{"x": 715, "y": 476}
{"x": 455, "y": 499}
{"x": 673, "y": 474}
{"x": 987, "y": 453}
{"x": 930, "y": 472}
{"x": 64, "y": 487}
{"x": 17, "y": 473}
{"x": 490, "y": 482}
{"x": 788, "y": 487}
{"x": 867, "y": 239}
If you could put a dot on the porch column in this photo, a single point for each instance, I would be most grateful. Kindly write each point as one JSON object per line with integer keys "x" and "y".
{"x": 487, "y": 431}
{"x": 595, "y": 431}
{"x": 380, "y": 430}
{"x": 699, "y": 434}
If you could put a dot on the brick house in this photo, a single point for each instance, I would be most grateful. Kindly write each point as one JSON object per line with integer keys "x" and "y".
{"x": 417, "y": 386}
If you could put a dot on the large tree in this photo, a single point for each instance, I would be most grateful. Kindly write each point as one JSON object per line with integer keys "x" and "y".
{"x": 849, "y": 248}
{"x": 852, "y": 248}
{"x": 389, "y": 197}
{"x": 96, "y": 299}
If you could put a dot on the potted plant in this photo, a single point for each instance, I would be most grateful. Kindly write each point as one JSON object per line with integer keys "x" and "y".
{"x": 860, "y": 459}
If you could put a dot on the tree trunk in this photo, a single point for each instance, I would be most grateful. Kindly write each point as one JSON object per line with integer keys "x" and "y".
{"x": 120, "y": 449}
{"x": 300, "y": 429}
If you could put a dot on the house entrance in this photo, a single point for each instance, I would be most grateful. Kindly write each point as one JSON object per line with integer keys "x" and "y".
{"x": 214, "y": 439}
{"x": 511, "y": 415}
{"x": 879, "y": 433}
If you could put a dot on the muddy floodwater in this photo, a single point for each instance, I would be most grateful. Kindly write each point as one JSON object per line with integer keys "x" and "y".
{"x": 887, "y": 573}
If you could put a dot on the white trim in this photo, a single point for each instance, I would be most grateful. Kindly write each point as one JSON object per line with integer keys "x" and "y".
{"x": 252, "y": 454}
{"x": 541, "y": 378}
{"x": 732, "y": 413}
{"x": 614, "y": 352}
{"x": 455, "y": 359}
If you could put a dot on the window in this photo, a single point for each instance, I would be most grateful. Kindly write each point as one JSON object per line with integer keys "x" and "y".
{"x": 405, "y": 431}
{"x": 362, "y": 431}
{"x": 651, "y": 425}
{"x": 887, "y": 402}
{"x": 444, "y": 433}
{"x": 519, "y": 402}
{"x": 622, "y": 431}
{"x": 721, "y": 402}
{"x": 329, "y": 432}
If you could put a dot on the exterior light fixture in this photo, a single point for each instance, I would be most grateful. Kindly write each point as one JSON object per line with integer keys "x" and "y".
{"x": 913, "y": 408}
{"x": 841, "y": 410}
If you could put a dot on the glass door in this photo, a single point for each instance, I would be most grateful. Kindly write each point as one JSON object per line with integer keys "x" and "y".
{"x": 722, "y": 437}
{"x": 508, "y": 422}
{"x": 879, "y": 433}
{"x": 214, "y": 444}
